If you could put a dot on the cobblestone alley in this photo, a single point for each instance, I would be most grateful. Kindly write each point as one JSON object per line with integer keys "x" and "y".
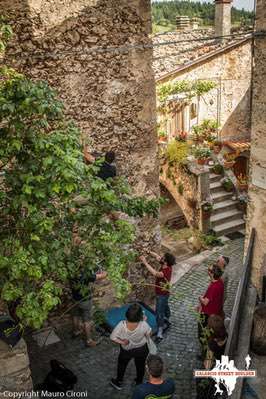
{"x": 95, "y": 367}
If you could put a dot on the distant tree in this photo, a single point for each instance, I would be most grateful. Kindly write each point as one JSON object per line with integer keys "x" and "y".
{"x": 168, "y": 10}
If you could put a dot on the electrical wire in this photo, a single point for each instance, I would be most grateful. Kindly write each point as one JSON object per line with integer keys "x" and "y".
{"x": 114, "y": 49}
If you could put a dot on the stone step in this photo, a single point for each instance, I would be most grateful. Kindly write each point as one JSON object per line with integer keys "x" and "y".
{"x": 223, "y": 206}
{"x": 214, "y": 177}
{"x": 221, "y": 195}
{"x": 225, "y": 216}
{"x": 215, "y": 186}
{"x": 229, "y": 227}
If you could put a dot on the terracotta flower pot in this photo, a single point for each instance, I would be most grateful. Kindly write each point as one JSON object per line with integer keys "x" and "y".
{"x": 201, "y": 161}
{"x": 242, "y": 186}
{"x": 228, "y": 164}
{"x": 206, "y": 215}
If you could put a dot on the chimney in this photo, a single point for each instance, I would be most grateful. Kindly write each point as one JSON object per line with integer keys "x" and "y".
{"x": 182, "y": 22}
{"x": 223, "y": 17}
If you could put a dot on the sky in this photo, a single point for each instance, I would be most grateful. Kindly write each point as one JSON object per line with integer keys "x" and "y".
{"x": 247, "y": 4}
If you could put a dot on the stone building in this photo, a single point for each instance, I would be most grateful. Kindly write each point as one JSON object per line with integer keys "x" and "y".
{"x": 85, "y": 49}
{"x": 257, "y": 187}
{"x": 198, "y": 56}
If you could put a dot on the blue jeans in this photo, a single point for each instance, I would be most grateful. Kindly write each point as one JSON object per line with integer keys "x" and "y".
{"x": 162, "y": 309}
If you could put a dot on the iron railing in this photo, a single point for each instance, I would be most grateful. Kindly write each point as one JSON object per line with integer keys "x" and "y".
{"x": 241, "y": 295}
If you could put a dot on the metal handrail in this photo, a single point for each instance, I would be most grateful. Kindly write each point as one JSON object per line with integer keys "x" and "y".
{"x": 237, "y": 313}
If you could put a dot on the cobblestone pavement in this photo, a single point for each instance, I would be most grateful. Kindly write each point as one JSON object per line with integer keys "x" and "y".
{"x": 94, "y": 367}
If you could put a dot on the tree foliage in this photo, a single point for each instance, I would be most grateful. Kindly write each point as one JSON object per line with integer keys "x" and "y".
{"x": 164, "y": 12}
{"x": 55, "y": 213}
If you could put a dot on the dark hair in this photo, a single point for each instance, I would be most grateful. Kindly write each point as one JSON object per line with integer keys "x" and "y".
{"x": 155, "y": 366}
{"x": 169, "y": 259}
{"x": 134, "y": 314}
{"x": 110, "y": 156}
{"x": 216, "y": 323}
{"x": 226, "y": 259}
{"x": 216, "y": 272}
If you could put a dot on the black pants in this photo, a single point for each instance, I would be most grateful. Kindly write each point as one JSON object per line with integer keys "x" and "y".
{"x": 139, "y": 355}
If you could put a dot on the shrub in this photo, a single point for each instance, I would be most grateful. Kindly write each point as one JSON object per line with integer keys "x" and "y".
{"x": 180, "y": 188}
{"x": 177, "y": 152}
{"x": 227, "y": 184}
{"x": 218, "y": 169}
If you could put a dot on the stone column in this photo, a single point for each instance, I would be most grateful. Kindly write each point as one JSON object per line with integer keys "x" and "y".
{"x": 223, "y": 17}
{"x": 257, "y": 189}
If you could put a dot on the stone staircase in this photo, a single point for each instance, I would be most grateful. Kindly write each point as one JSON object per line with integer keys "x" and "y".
{"x": 225, "y": 218}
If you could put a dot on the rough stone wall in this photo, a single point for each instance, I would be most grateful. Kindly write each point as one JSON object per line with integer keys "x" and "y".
{"x": 188, "y": 201}
{"x": 15, "y": 375}
{"x": 257, "y": 188}
{"x": 229, "y": 102}
{"x": 80, "y": 48}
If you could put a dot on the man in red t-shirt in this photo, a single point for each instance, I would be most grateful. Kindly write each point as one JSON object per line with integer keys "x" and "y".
{"x": 162, "y": 286}
{"x": 211, "y": 303}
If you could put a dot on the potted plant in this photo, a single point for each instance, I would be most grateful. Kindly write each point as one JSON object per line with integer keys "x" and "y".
{"x": 162, "y": 136}
{"x": 181, "y": 136}
{"x": 227, "y": 184}
{"x": 202, "y": 154}
{"x": 242, "y": 203}
{"x": 217, "y": 146}
{"x": 218, "y": 169}
{"x": 206, "y": 131}
{"x": 207, "y": 208}
{"x": 229, "y": 160}
{"x": 242, "y": 182}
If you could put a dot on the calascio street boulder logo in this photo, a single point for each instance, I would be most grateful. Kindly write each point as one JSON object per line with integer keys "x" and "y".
{"x": 225, "y": 373}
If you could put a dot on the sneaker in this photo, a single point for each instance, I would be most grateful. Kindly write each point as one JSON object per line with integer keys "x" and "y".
{"x": 115, "y": 384}
{"x": 91, "y": 343}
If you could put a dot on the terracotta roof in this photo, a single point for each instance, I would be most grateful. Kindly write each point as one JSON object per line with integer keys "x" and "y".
{"x": 238, "y": 145}
{"x": 173, "y": 56}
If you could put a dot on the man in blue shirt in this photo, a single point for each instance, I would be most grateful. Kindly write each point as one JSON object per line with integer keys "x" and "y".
{"x": 156, "y": 387}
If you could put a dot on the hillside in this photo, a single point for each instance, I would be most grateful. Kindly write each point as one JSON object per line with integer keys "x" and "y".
{"x": 164, "y": 14}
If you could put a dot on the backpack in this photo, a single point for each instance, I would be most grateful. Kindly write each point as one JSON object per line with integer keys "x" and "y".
{"x": 9, "y": 331}
{"x": 59, "y": 379}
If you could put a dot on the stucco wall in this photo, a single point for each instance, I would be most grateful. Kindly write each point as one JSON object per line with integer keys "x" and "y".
{"x": 257, "y": 190}
{"x": 229, "y": 102}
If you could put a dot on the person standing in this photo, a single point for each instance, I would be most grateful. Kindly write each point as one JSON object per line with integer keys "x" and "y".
{"x": 211, "y": 303}
{"x": 81, "y": 312}
{"x": 132, "y": 335}
{"x": 107, "y": 168}
{"x": 223, "y": 262}
{"x": 162, "y": 288}
{"x": 156, "y": 387}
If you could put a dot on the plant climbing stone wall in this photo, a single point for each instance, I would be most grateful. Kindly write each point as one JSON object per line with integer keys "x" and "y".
{"x": 85, "y": 49}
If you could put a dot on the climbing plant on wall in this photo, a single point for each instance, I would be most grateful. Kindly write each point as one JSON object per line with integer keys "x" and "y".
{"x": 56, "y": 215}
{"x": 191, "y": 88}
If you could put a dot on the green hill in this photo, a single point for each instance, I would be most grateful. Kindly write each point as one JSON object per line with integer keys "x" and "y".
{"x": 164, "y": 14}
